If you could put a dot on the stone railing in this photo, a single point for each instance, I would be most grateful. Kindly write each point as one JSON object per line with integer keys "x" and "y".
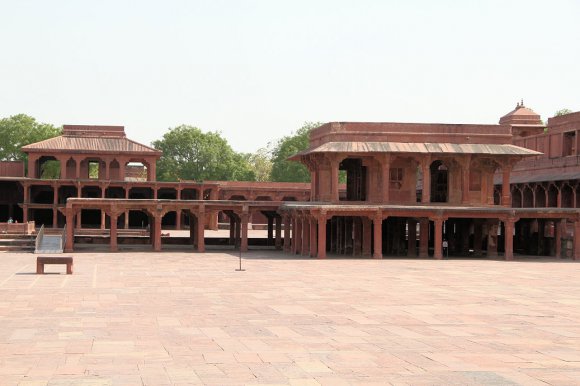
{"x": 18, "y": 228}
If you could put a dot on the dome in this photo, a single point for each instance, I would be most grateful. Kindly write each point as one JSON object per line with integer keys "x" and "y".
{"x": 521, "y": 115}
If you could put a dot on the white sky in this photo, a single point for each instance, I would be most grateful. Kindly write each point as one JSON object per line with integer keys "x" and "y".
{"x": 256, "y": 70}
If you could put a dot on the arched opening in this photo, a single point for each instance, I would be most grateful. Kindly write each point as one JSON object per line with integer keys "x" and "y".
{"x": 528, "y": 197}
{"x": 114, "y": 171}
{"x": 516, "y": 197}
{"x": 138, "y": 219}
{"x": 419, "y": 185}
{"x": 288, "y": 198}
{"x": 169, "y": 219}
{"x": 237, "y": 197}
{"x": 540, "y": 197}
{"x": 71, "y": 169}
{"x": 356, "y": 176}
{"x": 567, "y": 196}
{"x": 552, "y": 196}
{"x": 49, "y": 168}
{"x": 136, "y": 171}
{"x": 92, "y": 168}
{"x": 439, "y": 182}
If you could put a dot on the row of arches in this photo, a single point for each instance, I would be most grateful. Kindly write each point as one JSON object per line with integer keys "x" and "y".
{"x": 543, "y": 195}
{"x": 406, "y": 180}
{"x": 92, "y": 168}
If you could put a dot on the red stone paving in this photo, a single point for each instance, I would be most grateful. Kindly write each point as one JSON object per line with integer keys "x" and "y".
{"x": 188, "y": 318}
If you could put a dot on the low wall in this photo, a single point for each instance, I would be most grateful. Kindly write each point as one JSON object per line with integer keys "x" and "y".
{"x": 18, "y": 228}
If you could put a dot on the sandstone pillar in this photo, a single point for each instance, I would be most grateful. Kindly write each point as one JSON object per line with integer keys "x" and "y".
{"x": 200, "y": 230}
{"x": 113, "y": 231}
{"x": 157, "y": 232}
{"x": 378, "y": 236}
{"x": 70, "y": 226}
{"x": 313, "y": 233}
{"x": 245, "y": 219}
{"x": 505, "y": 186}
{"x": 305, "y": 236}
{"x": 297, "y": 236}
{"x": 424, "y": 237}
{"x": 559, "y": 226}
{"x": 509, "y": 238}
{"x": 438, "y": 238}
{"x": 322, "y": 235}
{"x": 278, "y": 242}
{"x": 426, "y": 193}
{"x": 366, "y": 236}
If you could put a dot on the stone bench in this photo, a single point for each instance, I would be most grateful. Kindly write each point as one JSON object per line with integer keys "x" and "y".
{"x": 42, "y": 260}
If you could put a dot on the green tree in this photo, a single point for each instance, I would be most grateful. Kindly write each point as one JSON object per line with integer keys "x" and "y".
{"x": 190, "y": 154}
{"x": 20, "y": 130}
{"x": 290, "y": 171}
{"x": 261, "y": 164}
{"x": 562, "y": 112}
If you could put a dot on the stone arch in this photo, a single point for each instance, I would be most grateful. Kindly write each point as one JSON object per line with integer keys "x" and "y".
{"x": 567, "y": 193}
{"x": 553, "y": 196}
{"x": 137, "y": 169}
{"x": 527, "y": 197}
{"x": 540, "y": 196}
{"x": 439, "y": 172}
{"x": 48, "y": 167}
{"x": 517, "y": 199}
{"x": 71, "y": 168}
{"x": 115, "y": 170}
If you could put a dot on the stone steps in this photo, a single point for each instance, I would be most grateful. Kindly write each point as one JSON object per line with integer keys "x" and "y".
{"x": 10, "y": 242}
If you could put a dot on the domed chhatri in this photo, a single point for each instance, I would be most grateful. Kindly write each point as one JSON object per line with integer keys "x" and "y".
{"x": 523, "y": 120}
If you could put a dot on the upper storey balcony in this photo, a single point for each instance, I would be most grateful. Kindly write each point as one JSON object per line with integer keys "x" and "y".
{"x": 92, "y": 153}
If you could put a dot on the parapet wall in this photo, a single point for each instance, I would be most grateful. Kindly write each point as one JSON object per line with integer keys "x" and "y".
{"x": 11, "y": 168}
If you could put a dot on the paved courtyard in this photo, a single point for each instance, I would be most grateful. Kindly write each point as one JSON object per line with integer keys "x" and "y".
{"x": 186, "y": 318}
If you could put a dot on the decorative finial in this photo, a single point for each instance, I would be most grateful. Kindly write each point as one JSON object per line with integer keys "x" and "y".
{"x": 522, "y": 104}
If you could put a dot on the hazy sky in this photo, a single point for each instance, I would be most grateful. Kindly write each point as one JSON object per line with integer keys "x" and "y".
{"x": 256, "y": 70}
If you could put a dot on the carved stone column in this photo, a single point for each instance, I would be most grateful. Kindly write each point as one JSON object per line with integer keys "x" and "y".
{"x": 378, "y": 236}
{"x": 245, "y": 220}
{"x": 200, "y": 229}
{"x": 509, "y": 224}
{"x": 113, "y": 243}
{"x": 424, "y": 237}
{"x": 322, "y": 235}
{"x": 438, "y": 238}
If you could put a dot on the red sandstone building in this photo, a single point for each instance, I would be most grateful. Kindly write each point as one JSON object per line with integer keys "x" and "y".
{"x": 484, "y": 188}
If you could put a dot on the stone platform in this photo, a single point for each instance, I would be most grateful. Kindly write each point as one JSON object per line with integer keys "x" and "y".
{"x": 190, "y": 318}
